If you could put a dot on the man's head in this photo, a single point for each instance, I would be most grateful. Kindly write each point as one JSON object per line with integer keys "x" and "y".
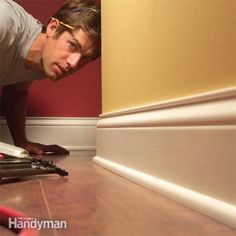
{"x": 73, "y": 38}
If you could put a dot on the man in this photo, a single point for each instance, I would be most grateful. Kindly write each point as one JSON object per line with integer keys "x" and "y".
{"x": 30, "y": 51}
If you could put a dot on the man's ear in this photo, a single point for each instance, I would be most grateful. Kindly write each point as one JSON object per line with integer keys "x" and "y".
{"x": 51, "y": 27}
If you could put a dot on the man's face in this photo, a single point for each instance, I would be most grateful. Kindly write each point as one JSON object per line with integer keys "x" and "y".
{"x": 63, "y": 55}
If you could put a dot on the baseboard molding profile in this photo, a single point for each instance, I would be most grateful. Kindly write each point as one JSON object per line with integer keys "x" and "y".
{"x": 214, "y": 110}
{"x": 223, "y": 212}
{"x": 75, "y": 134}
{"x": 201, "y": 98}
{"x": 184, "y": 145}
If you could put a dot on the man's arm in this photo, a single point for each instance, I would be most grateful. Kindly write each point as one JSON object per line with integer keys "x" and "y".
{"x": 14, "y": 100}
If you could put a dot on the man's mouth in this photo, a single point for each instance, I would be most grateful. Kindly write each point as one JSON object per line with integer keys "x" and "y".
{"x": 63, "y": 70}
{"x": 59, "y": 70}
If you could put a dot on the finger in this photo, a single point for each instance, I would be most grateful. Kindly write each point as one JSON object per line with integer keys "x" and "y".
{"x": 35, "y": 149}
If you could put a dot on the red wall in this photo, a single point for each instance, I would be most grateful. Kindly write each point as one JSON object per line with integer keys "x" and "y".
{"x": 79, "y": 95}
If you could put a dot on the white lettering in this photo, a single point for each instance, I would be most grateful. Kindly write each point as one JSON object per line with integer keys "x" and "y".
{"x": 33, "y": 223}
{"x": 12, "y": 222}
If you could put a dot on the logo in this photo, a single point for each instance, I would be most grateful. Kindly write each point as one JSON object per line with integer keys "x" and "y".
{"x": 33, "y": 223}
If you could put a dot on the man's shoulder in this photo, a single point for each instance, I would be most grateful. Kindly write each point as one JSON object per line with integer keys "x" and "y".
{"x": 5, "y": 8}
{"x": 7, "y": 5}
{"x": 6, "y": 18}
{"x": 7, "y": 12}
{"x": 12, "y": 16}
{"x": 10, "y": 9}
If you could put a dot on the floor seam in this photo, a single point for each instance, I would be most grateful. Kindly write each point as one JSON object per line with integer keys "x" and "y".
{"x": 47, "y": 205}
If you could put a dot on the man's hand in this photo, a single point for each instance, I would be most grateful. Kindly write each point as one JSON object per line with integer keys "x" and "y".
{"x": 39, "y": 149}
{"x": 14, "y": 98}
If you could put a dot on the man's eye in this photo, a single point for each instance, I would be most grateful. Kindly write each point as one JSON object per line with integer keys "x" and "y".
{"x": 72, "y": 46}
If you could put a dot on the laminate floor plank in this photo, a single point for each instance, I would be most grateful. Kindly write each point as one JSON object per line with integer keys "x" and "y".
{"x": 96, "y": 202}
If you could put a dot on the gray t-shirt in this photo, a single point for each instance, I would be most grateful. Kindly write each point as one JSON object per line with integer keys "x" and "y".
{"x": 18, "y": 30}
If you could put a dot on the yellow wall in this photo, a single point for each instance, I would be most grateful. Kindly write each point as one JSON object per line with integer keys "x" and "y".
{"x": 155, "y": 50}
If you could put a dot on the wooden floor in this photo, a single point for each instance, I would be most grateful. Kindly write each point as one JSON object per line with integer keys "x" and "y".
{"x": 96, "y": 202}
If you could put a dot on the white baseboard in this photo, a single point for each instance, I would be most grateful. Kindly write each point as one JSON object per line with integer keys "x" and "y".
{"x": 71, "y": 133}
{"x": 222, "y": 211}
{"x": 184, "y": 149}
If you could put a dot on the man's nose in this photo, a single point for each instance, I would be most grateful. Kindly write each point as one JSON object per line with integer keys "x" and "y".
{"x": 73, "y": 60}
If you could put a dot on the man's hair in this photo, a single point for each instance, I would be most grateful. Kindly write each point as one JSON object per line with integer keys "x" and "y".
{"x": 80, "y": 14}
